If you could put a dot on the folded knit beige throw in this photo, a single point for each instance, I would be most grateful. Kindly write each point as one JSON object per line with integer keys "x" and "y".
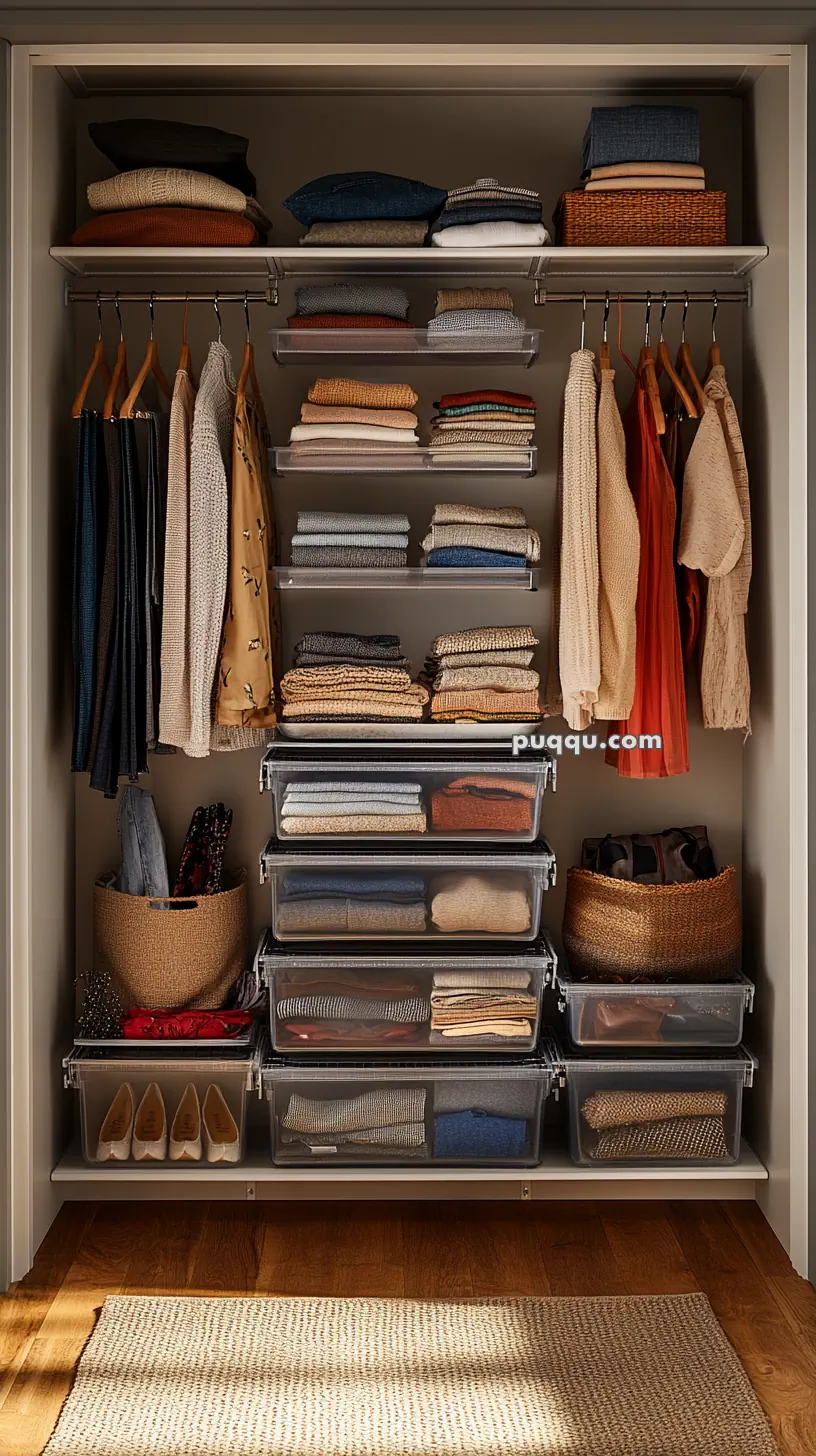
{"x": 518, "y": 657}
{"x": 168, "y": 187}
{"x": 357, "y": 824}
{"x": 455, "y": 438}
{"x": 452, "y": 298}
{"x": 346, "y": 414}
{"x": 520, "y": 541}
{"x": 485, "y": 705}
{"x": 689, "y": 1138}
{"x": 393, "y": 706}
{"x": 505, "y": 679}
{"x": 617, "y": 1109}
{"x": 363, "y": 395}
{"x": 303, "y": 679}
{"x": 483, "y": 639}
{"x": 459, "y": 515}
{"x": 492, "y": 904}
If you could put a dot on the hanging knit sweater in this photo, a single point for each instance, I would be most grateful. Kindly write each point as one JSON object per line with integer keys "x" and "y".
{"x": 174, "y": 704}
{"x": 209, "y": 537}
{"x": 715, "y": 538}
{"x": 619, "y": 561}
{"x": 579, "y": 637}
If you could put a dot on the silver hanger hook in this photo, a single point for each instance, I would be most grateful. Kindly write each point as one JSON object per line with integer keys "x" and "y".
{"x": 685, "y": 316}
{"x": 714, "y": 317}
{"x": 663, "y": 306}
{"x": 246, "y": 314}
{"x": 217, "y": 313}
{"x": 648, "y": 320}
{"x": 99, "y": 311}
{"x": 583, "y": 319}
{"x": 151, "y": 305}
{"x": 606, "y": 318}
{"x": 119, "y": 316}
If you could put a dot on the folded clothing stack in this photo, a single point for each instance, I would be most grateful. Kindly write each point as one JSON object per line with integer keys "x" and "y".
{"x": 469, "y": 317}
{"x": 344, "y": 677}
{"x": 481, "y": 1007}
{"x": 483, "y": 675}
{"x": 352, "y": 806}
{"x": 365, "y": 210}
{"x": 481, "y": 802}
{"x": 480, "y": 1118}
{"x": 346, "y": 540}
{"x": 387, "y": 1119}
{"x": 346, "y": 416}
{"x": 350, "y": 306}
{"x": 340, "y": 1007}
{"x": 348, "y": 903}
{"x": 489, "y": 424}
{"x": 467, "y": 903}
{"x": 487, "y": 215}
{"x": 480, "y": 536}
{"x": 643, "y": 148}
{"x": 178, "y": 186}
{"x": 655, "y": 1124}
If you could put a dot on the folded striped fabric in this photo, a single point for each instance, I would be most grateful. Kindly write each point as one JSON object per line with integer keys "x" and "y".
{"x": 450, "y": 299}
{"x": 486, "y": 210}
{"x": 364, "y": 395}
{"x": 406, "y": 1010}
{"x": 353, "y": 432}
{"x": 475, "y": 321}
{"x": 382, "y": 298}
{"x": 345, "y": 414}
{"x": 490, "y": 187}
{"x": 339, "y": 521}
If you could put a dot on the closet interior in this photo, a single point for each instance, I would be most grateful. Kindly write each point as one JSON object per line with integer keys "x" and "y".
{"x": 446, "y": 124}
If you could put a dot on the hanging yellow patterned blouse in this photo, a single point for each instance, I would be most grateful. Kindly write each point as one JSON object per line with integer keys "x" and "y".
{"x": 251, "y": 646}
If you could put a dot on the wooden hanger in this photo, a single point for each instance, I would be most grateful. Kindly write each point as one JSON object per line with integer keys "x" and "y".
{"x": 604, "y": 358}
{"x": 248, "y": 369}
{"x": 97, "y": 363}
{"x": 685, "y": 365}
{"x": 714, "y": 355}
{"x": 119, "y": 376}
{"x": 185, "y": 363}
{"x": 648, "y": 373}
{"x": 665, "y": 366}
{"x": 150, "y": 366}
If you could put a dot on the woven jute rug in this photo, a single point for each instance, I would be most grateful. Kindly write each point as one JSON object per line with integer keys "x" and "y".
{"x": 386, "y": 1377}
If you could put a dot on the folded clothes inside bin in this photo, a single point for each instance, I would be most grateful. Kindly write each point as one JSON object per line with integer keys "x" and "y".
{"x": 475, "y": 1134}
{"x": 389, "y": 1117}
{"x": 480, "y": 802}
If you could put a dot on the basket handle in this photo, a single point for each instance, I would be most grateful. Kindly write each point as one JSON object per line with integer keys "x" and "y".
{"x": 169, "y": 903}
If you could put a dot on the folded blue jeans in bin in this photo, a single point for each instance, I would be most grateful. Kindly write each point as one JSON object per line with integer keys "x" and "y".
{"x": 478, "y": 1134}
{"x": 144, "y": 858}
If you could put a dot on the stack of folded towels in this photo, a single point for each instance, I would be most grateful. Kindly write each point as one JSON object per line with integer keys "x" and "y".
{"x": 643, "y": 148}
{"x": 365, "y": 210}
{"x": 345, "y": 416}
{"x": 483, "y": 675}
{"x": 362, "y": 903}
{"x": 478, "y": 802}
{"x": 390, "y": 1119}
{"x": 469, "y": 317}
{"x": 490, "y": 424}
{"x": 346, "y": 540}
{"x": 481, "y": 1007}
{"x": 178, "y": 186}
{"x": 487, "y": 215}
{"x": 350, "y": 306}
{"x": 352, "y": 806}
{"x": 495, "y": 537}
{"x": 344, "y": 677}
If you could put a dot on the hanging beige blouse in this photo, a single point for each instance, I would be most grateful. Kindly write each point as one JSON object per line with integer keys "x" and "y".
{"x": 174, "y": 703}
{"x": 618, "y": 559}
{"x": 715, "y": 538}
{"x": 579, "y": 648}
{"x": 251, "y": 643}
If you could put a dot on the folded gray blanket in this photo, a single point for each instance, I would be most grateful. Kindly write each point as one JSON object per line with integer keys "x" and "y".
{"x": 405, "y": 1011}
{"x": 344, "y": 522}
{"x": 351, "y": 538}
{"x": 349, "y": 557}
{"x": 384, "y": 1107}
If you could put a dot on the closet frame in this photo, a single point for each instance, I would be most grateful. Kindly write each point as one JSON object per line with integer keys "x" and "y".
{"x": 40, "y": 801}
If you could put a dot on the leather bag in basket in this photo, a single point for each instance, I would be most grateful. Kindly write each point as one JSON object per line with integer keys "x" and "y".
{"x": 617, "y": 930}
{"x": 176, "y": 952}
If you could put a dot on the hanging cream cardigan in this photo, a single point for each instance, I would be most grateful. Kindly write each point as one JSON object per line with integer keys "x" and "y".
{"x": 619, "y": 560}
{"x": 579, "y": 649}
{"x": 174, "y": 704}
{"x": 715, "y": 538}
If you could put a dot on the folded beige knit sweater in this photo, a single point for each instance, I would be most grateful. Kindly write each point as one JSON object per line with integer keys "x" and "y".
{"x": 490, "y": 904}
{"x": 513, "y": 657}
{"x": 392, "y": 705}
{"x": 519, "y": 541}
{"x": 346, "y": 414}
{"x": 357, "y": 824}
{"x": 483, "y": 639}
{"x": 456, "y": 515}
{"x": 366, "y": 396}
{"x": 452, "y": 298}
{"x": 501, "y": 679}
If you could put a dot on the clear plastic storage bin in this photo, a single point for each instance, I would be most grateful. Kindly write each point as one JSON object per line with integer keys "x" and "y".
{"x": 604, "y": 1015}
{"x": 372, "y": 1000}
{"x": 405, "y": 1113}
{"x": 390, "y": 895}
{"x": 660, "y": 1112}
{"x": 98, "y": 1076}
{"x": 471, "y": 797}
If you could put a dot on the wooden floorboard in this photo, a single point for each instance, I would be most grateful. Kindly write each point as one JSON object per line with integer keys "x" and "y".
{"x": 412, "y": 1250}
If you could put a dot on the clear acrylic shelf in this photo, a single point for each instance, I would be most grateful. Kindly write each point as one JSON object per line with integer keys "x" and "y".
{"x": 405, "y": 578}
{"x": 404, "y": 460}
{"x": 395, "y": 346}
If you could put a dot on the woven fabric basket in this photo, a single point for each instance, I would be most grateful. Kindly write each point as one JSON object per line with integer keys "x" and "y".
{"x": 617, "y": 930}
{"x": 171, "y": 953}
{"x": 642, "y": 219}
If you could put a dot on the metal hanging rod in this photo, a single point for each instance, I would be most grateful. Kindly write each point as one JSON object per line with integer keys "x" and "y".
{"x": 656, "y": 295}
{"x": 269, "y": 296}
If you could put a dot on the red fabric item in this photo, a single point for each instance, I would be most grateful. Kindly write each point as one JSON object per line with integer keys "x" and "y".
{"x": 181, "y": 1025}
{"x": 346, "y": 321}
{"x": 165, "y": 227}
{"x": 486, "y": 396}
{"x": 660, "y": 691}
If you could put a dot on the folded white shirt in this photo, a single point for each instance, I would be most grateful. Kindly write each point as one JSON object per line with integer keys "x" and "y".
{"x": 492, "y": 235}
{"x": 354, "y": 432}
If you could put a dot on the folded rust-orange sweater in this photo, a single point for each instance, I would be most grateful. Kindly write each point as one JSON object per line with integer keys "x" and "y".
{"x": 166, "y": 227}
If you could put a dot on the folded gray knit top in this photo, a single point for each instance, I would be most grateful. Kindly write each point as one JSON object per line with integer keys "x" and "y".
{"x": 352, "y": 298}
{"x": 349, "y": 521}
{"x": 405, "y": 1011}
{"x": 476, "y": 321}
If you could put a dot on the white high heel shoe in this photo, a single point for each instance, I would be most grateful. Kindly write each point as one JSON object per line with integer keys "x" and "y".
{"x": 221, "y": 1137}
{"x": 116, "y": 1132}
{"x": 185, "y": 1133}
{"x": 150, "y": 1128}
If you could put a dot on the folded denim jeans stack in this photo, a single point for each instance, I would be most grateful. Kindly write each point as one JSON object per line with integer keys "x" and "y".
{"x": 484, "y": 1119}
{"x": 473, "y": 317}
{"x": 342, "y": 677}
{"x": 178, "y": 186}
{"x": 386, "y": 903}
{"x": 345, "y": 540}
{"x": 352, "y": 806}
{"x": 350, "y": 306}
{"x": 365, "y": 210}
{"x": 493, "y": 425}
{"x": 388, "y": 1119}
{"x": 481, "y": 1008}
{"x": 486, "y": 214}
{"x": 480, "y": 537}
{"x": 347, "y": 416}
{"x": 483, "y": 675}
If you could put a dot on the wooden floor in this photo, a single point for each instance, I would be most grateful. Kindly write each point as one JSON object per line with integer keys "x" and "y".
{"x": 440, "y": 1251}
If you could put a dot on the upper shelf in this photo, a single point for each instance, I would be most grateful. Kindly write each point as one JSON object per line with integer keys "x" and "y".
{"x": 309, "y": 262}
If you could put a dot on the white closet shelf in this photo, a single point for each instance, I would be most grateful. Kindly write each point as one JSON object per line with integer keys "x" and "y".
{"x": 274, "y": 264}
{"x": 407, "y": 578}
{"x": 419, "y": 460}
{"x": 401, "y": 346}
{"x": 556, "y": 1167}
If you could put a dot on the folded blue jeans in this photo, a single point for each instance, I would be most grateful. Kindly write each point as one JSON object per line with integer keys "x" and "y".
{"x": 641, "y": 134}
{"x": 478, "y": 1134}
{"x": 307, "y": 884}
{"x": 473, "y": 556}
{"x": 351, "y": 196}
{"x": 144, "y": 858}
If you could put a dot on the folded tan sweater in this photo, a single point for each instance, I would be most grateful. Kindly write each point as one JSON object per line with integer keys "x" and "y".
{"x": 519, "y": 541}
{"x": 363, "y": 395}
{"x": 452, "y": 298}
{"x": 357, "y": 824}
{"x": 456, "y": 515}
{"x": 484, "y": 705}
{"x": 345, "y": 414}
{"x": 501, "y": 679}
{"x": 483, "y": 639}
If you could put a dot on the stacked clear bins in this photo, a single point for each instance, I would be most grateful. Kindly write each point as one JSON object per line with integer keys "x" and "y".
{"x": 116, "y": 1083}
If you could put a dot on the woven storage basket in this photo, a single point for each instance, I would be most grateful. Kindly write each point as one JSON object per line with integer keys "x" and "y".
{"x": 642, "y": 219}
{"x": 617, "y": 930}
{"x": 188, "y": 955}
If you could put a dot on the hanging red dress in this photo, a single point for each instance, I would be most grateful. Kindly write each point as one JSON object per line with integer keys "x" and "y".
{"x": 659, "y": 705}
